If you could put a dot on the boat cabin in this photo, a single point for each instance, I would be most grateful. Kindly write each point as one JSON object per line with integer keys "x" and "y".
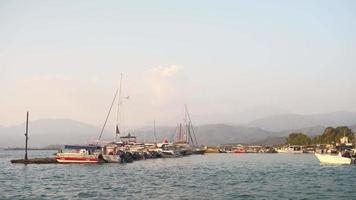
{"x": 85, "y": 149}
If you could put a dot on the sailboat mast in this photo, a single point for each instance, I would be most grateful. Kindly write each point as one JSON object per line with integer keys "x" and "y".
{"x": 180, "y": 133}
{"x": 186, "y": 126}
{"x": 119, "y": 101}
{"x": 154, "y": 131}
{"x": 190, "y": 128}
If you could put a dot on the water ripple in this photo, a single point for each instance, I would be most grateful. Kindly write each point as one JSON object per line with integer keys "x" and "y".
{"x": 219, "y": 176}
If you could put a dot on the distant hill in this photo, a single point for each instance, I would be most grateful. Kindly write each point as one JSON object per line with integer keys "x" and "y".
{"x": 212, "y": 134}
{"x": 46, "y": 132}
{"x": 270, "y": 141}
{"x": 222, "y": 134}
{"x": 310, "y": 131}
{"x": 278, "y": 123}
{"x": 353, "y": 128}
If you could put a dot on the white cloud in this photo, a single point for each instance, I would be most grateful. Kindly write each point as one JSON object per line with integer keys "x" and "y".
{"x": 165, "y": 72}
{"x": 164, "y": 82}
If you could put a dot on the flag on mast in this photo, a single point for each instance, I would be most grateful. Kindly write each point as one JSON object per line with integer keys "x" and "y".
{"x": 117, "y": 130}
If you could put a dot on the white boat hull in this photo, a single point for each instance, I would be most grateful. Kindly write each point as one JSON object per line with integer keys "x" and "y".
{"x": 112, "y": 158}
{"x": 333, "y": 159}
{"x": 76, "y": 158}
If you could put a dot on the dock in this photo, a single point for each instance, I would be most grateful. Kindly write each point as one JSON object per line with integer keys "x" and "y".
{"x": 36, "y": 161}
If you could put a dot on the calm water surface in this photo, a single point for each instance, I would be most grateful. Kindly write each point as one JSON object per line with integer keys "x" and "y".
{"x": 214, "y": 176}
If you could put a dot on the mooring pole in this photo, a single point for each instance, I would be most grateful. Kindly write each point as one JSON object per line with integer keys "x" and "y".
{"x": 26, "y": 134}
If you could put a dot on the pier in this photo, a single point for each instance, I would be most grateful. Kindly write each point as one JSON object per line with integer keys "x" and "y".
{"x": 35, "y": 161}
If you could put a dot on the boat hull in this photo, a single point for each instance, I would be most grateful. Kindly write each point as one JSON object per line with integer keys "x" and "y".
{"x": 76, "y": 158}
{"x": 112, "y": 158}
{"x": 240, "y": 151}
{"x": 211, "y": 150}
{"x": 331, "y": 159}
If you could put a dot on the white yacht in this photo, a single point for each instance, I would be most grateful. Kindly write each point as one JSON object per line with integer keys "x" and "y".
{"x": 333, "y": 159}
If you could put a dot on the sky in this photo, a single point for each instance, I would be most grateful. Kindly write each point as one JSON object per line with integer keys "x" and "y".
{"x": 63, "y": 59}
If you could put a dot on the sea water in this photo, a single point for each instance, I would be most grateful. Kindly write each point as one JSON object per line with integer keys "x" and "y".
{"x": 210, "y": 176}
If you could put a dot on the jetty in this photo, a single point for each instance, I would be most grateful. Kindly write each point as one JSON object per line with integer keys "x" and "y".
{"x": 35, "y": 161}
{"x": 32, "y": 160}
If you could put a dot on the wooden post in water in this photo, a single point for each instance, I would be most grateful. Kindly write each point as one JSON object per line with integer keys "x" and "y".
{"x": 26, "y": 134}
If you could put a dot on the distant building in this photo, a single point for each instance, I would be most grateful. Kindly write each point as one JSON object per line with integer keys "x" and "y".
{"x": 344, "y": 140}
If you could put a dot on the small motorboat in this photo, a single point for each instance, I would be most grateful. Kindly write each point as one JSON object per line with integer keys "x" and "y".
{"x": 333, "y": 159}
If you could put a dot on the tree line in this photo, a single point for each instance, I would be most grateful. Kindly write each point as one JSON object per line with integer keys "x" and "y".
{"x": 330, "y": 135}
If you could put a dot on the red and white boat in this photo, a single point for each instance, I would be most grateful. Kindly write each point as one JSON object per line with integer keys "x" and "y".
{"x": 80, "y": 154}
{"x": 240, "y": 150}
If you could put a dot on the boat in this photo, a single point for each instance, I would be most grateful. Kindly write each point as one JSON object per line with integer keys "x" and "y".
{"x": 80, "y": 154}
{"x": 239, "y": 149}
{"x": 170, "y": 153}
{"x": 295, "y": 149}
{"x": 346, "y": 155}
{"x": 212, "y": 150}
{"x": 199, "y": 151}
{"x": 333, "y": 159}
{"x": 282, "y": 150}
{"x": 111, "y": 152}
{"x": 185, "y": 139}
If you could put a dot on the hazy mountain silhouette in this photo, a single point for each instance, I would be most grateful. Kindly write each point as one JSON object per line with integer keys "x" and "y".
{"x": 295, "y": 122}
{"x": 65, "y": 131}
{"x": 49, "y": 131}
{"x": 271, "y": 130}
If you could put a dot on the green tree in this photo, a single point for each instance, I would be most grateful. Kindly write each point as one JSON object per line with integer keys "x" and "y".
{"x": 343, "y": 131}
{"x": 298, "y": 139}
{"x": 317, "y": 140}
{"x": 328, "y": 136}
{"x": 333, "y": 135}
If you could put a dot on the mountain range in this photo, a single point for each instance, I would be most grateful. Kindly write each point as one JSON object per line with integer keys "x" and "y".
{"x": 295, "y": 122}
{"x": 267, "y": 130}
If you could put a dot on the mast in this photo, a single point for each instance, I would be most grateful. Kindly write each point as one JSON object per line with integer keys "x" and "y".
{"x": 186, "y": 128}
{"x": 26, "y": 135}
{"x": 154, "y": 131}
{"x": 180, "y": 132}
{"x": 119, "y": 101}
{"x": 190, "y": 128}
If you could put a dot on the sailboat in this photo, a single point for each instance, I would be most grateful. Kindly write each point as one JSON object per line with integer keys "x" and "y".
{"x": 111, "y": 150}
{"x": 96, "y": 153}
{"x": 185, "y": 139}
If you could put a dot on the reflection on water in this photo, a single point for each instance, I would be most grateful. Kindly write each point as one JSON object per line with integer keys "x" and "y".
{"x": 214, "y": 176}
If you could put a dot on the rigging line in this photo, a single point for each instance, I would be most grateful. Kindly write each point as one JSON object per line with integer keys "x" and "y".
{"x": 191, "y": 124}
{"x": 107, "y": 116}
{"x": 190, "y": 137}
{"x": 119, "y": 102}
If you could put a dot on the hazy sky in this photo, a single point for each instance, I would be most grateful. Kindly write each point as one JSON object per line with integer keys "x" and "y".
{"x": 63, "y": 59}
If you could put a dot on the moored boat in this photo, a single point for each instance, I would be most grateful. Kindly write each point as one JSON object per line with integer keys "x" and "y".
{"x": 80, "y": 154}
{"x": 212, "y": 150}
{"x": 240, "y": 150}
{"x": 333, "y": 159}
